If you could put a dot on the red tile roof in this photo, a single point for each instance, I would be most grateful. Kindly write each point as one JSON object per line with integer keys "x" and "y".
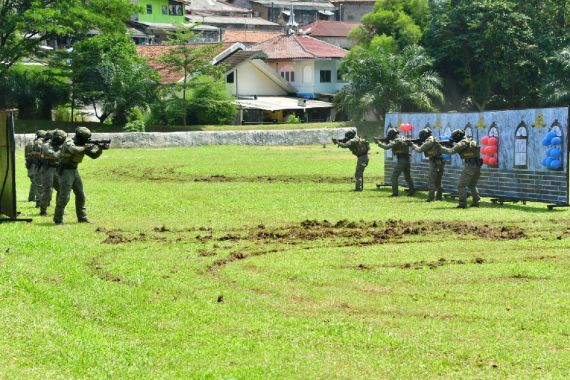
{"x": 152, "y": 54}
{"x": 321, "y": 28}
{"x": 295, "y": 46}
{"x": 247, "y": 36}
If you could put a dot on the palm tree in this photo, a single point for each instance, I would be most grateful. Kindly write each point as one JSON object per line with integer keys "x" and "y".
{"x": 557, "y": 89}
{"x": 381, "y": 82}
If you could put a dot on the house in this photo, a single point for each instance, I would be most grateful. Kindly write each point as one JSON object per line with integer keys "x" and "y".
{"x": 308, "y": 64}
{"x": 279, "y": 11}
{"x": 333, "y": 32}
{"x": 215, "y": 8}
{"x": 352, "y": 10}
{"x": 261, "y": 94}
{"x": 161, "y": 11}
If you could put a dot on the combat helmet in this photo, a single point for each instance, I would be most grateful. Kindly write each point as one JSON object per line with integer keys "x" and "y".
{"x": 424, "y": 134}
{"x": 350, "y": 134}
{"x": 392, "y": 133}
{"x": 58, "y": 137}
{"x": 40, "y": 134}
{"x": 82, "y": 134}
{"x": 457, "y": 135}
{"x": 49, "y": 135}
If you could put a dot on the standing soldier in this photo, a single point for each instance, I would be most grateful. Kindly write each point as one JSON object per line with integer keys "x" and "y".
{"x": 32, "y": 167}
{"x": 359, "y": 147}
{"x": 401, "y": 149}
{"x": 72, "y": 153}
{"x": 50, "y": 155}
{"x": 468, "y": 150}
{"x": 432, "y": 150}
{"x": 38, "y": 164}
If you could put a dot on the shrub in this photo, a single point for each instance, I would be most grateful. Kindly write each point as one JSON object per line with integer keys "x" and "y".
{"x": 293, "y": 119}
{"x": 134, "y": 126}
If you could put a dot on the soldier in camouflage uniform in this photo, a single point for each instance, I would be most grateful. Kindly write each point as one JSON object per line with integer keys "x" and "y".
{"x": 49, "y": 179}
{"x": 72, "y": 152}
{"x": 359, "y": 147}
{"x": 401, "y": 150}
{"x": 468, "y": 150}
{"x": 32, "y": 162}
{"x": 40, "y": 163}
{"x": 432, "y": 150}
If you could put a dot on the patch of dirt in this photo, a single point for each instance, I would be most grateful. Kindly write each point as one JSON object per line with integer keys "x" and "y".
{"x": 97, "y": 269}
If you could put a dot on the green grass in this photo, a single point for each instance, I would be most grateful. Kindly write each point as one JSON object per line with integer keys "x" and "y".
{"x": 435, "y": 293}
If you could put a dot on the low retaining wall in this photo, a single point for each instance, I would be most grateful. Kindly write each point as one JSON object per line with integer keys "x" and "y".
{"x": 173, "y": 139}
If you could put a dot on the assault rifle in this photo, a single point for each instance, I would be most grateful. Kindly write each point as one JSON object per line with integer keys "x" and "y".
{"x": 101, "y": 144}
{"x": 446, "y": 143}
{"x": 414, "y": 141}
{"x": 336, "y": 141}
{"x": 384, "y": 140}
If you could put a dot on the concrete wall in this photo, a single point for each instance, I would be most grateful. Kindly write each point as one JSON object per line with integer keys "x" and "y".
{"x": 176, "y": 139}
{"x": 532, "y": 182}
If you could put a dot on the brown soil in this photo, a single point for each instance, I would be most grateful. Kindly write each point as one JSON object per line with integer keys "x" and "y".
{"x": 97, "y": 269}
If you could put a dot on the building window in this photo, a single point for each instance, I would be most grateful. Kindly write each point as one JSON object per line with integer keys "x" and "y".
{"x": 325, "y": 76}
{"x": 521, "y": 146}
{"x": 149, "y": 9}
{"x": 164, "y": 9}
{"x": 289, "y": 76}
{"x": 230, "y": 77}
{"x": 175, "y": 10}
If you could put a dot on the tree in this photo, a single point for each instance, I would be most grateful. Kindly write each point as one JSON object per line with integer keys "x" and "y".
{"x": 486, "y": 49}
{"x": 108, "y": 75}
{"x": 25, "y": 24}
{"x": 393, "y": 24}
{"x": 382, "y": 82}
{"x": 191, "y": 61}
{"x": 210, "y": 102}
{"x": 556, "y": 91}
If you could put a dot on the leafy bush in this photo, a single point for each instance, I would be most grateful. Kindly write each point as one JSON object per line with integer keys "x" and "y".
{"x": 293, "y": 119}
{"x": 134, "y": 126}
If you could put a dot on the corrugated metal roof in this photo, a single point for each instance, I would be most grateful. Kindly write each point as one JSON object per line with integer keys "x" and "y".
{"x": 214, "y": 6}
{"x": 296, "y": 4}
{"x": 247, "y": 36}
{"x": 235, "y": 20}
{"x": 276, "y": 103}
{"x": 298, "y": 47}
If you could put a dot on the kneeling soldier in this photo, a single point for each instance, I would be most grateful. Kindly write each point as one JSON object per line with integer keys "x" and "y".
{"x": 401, "y": 149}
{"x": 432, "y": 150}
{"x": 71, "y": 155}
{"x": 359, "y": 147}
{"x": 468, "y": 150}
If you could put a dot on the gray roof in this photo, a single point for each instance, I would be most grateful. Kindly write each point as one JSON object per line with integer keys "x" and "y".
{"x": 235, "y": 20}
{"x": 213, "y": 6}
{"x": 304, "y": 5}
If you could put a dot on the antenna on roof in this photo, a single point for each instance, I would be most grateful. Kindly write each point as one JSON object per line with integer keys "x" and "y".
{"x": 292, "y": 26}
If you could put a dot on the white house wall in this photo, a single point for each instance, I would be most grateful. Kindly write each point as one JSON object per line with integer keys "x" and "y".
{"x": 252, "y": 81}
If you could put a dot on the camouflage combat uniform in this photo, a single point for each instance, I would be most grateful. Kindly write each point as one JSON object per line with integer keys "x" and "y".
{"x": 359, "y": 147}
{"x": 469, "y": 151}
{"x": 401, "y": 150}
{"x": 39, "y": 168}
{"x": 31, "y": 166}
{"x": 48, "y": 173}
{"x": 432, "y": 150}
{"x": 72, "y": 153}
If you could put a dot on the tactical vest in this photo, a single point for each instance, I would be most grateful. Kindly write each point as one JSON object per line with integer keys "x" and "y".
{"x": 435, "y": 150}
{"x": 472, "y": 150}
{"x": 69, "y": 158}
{"x": 360, "y": 147}
{"x": 50, "y": 160}
{"x": 37, "y": 147}
{"x": 401, "y": 147}
{"x": 29, "y": 149}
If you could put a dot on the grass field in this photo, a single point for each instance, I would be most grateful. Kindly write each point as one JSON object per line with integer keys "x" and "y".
{"x": 259, "y": 262}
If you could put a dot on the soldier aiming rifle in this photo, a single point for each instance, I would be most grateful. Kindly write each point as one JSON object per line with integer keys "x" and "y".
{"x": 400, "y": 147}
{"x": 359, "y": 147}
{"x": 432, "y": 149}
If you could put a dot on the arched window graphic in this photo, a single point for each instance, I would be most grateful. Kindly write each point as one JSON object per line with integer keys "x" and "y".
{"x": 446, "y": 133}
{"x": 555, "y": 127}
{"x": 521, "y": 146}
{"x": 389, "y": 151}
{"x": 493, "y": 130}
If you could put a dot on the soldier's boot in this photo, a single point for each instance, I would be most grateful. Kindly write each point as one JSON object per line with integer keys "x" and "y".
{"x": 32, "y": 194}
{"x": 439, "y": 195}
{"x": 411, "y": 192}
{"x": 359, "y": 184}
{"x": 84, "y": 220}
{"x": 461, "y": 206}
{"x": 394, "y": 191}
{"x": 431, "y": 196}
{"x": 43, "y": 211}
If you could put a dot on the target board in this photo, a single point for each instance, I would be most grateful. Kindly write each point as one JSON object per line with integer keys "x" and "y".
{"x": 525, "y": 152}
{"x": 7, "y": 166}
